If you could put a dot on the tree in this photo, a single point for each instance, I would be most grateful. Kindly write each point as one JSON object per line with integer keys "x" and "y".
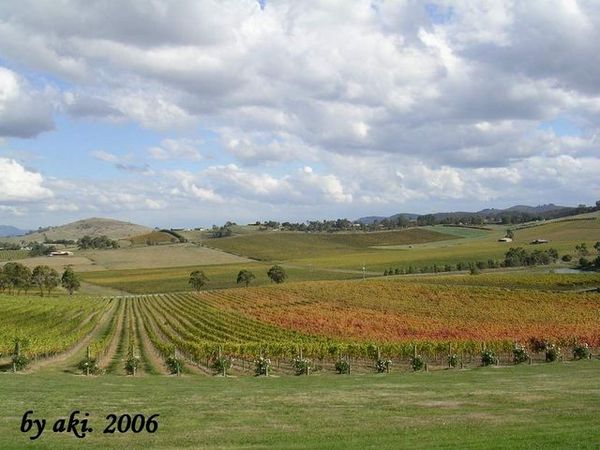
{"x": 45, "y": 278}
{"x": 510, "y": 234}
{"x": 38, "y": 277}
{"x": 52, "y": 281}
{"x": 245, "y": 277}
{"x": 198, "y": 279}
{"x": 582, "y": 249}
{"x": 17, "y": 277}
{"x": 70, "y": 281}
{"x": 597, "y": 246}
{"x": 277, "y": 274}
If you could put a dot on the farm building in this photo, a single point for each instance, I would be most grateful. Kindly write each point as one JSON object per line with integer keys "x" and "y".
{"x": 63, "y": 253}
{"x": 505, "y": 239}
{"x": 539, "y": 241}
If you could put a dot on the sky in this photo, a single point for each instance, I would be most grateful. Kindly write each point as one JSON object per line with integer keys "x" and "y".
{"x": 194, "y": 112}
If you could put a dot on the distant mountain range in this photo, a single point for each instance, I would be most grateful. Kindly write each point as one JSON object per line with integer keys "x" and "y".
{"x": 8, "y": 231}
{"x": 490, "y": 214}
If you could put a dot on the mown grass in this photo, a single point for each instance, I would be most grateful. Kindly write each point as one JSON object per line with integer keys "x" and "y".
{"x": 539, "y": 406}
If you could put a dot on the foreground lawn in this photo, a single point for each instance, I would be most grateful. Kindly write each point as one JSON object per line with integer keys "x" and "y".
{"x": 540, "y": 406}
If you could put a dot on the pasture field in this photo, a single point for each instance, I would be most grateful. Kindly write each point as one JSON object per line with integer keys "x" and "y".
{"x": 539, "y": 406}
{"x": 175, "y": 279}
{"x": 159, "y": 256}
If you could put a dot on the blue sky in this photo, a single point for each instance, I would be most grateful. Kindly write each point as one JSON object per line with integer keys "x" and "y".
{"x": 196, "y": 112}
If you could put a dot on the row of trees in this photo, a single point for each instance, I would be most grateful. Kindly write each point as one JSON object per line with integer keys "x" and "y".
{"x": 98, "y": 242}
{"x": 518, "y": 256}
{"x": 17, "y": 278}
{"x": 276, "y": 273}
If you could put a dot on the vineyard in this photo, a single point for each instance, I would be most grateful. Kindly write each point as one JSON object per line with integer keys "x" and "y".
{"x": 49, "y": 326}
{"x": 13, "y": 255}
{"x": 328, "y": 321}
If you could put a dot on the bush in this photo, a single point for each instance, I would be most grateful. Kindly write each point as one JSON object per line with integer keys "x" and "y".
{"x": 552, "y": 353}
{"x": 453, "y": 360}
{"x": 488, "y": 358}
{"x": 221, "y": 364}
{"x": 474, "y": 269}
{"x": 520, "y": 354}
{"x": 383, "y": 365}
{"x": 302, "y": 366}
{"x": 174, "y": 364}
{"x": 581, "y": 351}
{"x": 417, "y": 363}
{"x": 342, "y": 366}
{"x": 567, "y": 258}
{"x": 261, "y": 366}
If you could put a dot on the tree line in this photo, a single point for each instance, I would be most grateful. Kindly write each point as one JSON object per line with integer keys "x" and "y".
{"x": 16, "y": 278}
{"x": 276, "y": 274}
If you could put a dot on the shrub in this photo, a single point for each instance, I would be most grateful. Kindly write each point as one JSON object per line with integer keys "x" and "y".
{"x": 383, "y": 365}
{"x": 567, "y": 258}
{"x": 581, "y": 351}
{"x": 453, "y": 360}
{"x": 261, "y": 366}
{"x": 302, "y": 366}
{"x": 552, "y": 353}
{"x": 342, "y": 366}
{"x": 474, "y": 270}
{"x": 221, "y": 364}
{"x": 417, "y": 363}
{"x": 174, "y": 364}
{"x": 520, "y": 354}
{"x": 488, "y": 358}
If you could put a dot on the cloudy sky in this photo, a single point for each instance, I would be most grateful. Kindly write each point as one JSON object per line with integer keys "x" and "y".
{"x": 193, "y": 112}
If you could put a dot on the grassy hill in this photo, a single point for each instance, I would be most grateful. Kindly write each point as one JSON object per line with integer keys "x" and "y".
{"x": 114, "y": 229}
{"x": 275, "y": 245}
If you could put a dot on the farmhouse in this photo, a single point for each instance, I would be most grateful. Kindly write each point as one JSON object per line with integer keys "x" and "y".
{"x": 63, "y": 253}
{"x": 505, "y": 239}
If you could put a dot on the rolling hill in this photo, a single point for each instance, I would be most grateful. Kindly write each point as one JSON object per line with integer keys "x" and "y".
{"x": 114, "y": 229}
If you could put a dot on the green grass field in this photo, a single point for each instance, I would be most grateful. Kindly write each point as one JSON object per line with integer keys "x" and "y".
{"x": 280, "y": 246}
{"x": 539, "y": 406}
